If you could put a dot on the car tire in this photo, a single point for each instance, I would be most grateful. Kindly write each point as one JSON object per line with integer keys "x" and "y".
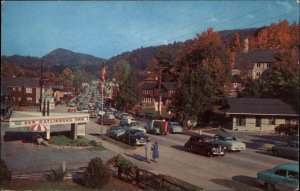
{"x": 270, "y": 187}
{"x": 209, "y": 154}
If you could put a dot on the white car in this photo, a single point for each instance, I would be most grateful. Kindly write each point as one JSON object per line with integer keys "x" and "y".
{"x": 226, "y": 140}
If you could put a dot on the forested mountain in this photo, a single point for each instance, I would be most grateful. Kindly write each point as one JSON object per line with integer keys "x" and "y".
{"x": 68, "y": 58}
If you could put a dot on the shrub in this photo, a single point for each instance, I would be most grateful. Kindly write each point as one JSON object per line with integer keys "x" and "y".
{"x": 96, "y": 174}
{"x": 291, "y": 129}
{"x": 5, "y": 174}
{"x": 57, "y": 174}
{"x": 123, "y": 164}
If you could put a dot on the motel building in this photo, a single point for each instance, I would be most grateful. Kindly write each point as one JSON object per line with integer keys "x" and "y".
{"x": 26, "y": 119}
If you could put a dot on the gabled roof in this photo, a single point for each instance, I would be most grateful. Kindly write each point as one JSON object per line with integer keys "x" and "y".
{"x": 148, "y": 86}
{"x": 254, "y": 56}
{"x": 169, "y": 85}
{"x": 26, "y": 82}
{"x": 259, "y": 106}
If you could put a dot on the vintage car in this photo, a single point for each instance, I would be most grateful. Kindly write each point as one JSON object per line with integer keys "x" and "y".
{"x": 226, "y": 140}
{"x": 157, "y": 127}
{"x": 115, "y": 131}
{"x": 289, "y": 150}
{"x": 282, "y": 177}
{"x": 175, "y": 127}
{"x": 205, "y": 145}
{"x": 134, "y": 137}
{"x": 137, "y": 126}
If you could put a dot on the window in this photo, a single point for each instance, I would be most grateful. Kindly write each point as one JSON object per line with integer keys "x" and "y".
{"x": 19, "y": 89}
{"x": 258, "y": 64}
{"x": 272, "y": 121}
{"x": 29, "y": 98}
{"x": 292, "y": 174}
{"x": 28, "y": 90}
{"x": 268, "y": 65}
{"x": 241, "y": 121}
{"x": 19, "y": 98}
{"x": 258, "y": 74}
{"x": 280, "y": 172}
{"x": 14, "y": 89}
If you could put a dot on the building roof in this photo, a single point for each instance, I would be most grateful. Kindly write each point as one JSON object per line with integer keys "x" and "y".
{"x": 169, "y": 85}
{"x": 148, "y": 86}
{"x": 254, "y": 56}
{"x": 259, "y": 106}
{"x": 26, "y": 82}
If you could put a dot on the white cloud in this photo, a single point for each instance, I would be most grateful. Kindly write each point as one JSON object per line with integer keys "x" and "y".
{"x": 213, "y": 19}
{"x": 285, "y": 4}
{"x": 250, "y": 16}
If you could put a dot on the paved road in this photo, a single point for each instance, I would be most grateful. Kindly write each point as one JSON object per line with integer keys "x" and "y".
{"x": 174, "y": 160}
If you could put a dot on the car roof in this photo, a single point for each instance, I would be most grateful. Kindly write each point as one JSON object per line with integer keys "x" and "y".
{"x": 224, "y": 134}
{"x": 201, "y": 136}
{"x": 289, "y": 166}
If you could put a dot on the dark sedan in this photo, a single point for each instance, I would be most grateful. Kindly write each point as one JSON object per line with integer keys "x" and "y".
{"x": 205, "y": 145}
{"x": 134, "y": 137}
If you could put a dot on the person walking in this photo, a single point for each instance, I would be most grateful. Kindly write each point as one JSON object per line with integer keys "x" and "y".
{"x": 155, "y": 153}
{"x": 148, "y": 151}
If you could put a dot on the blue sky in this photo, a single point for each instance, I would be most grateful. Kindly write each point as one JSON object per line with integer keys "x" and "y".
{"x": 106, "y": 29}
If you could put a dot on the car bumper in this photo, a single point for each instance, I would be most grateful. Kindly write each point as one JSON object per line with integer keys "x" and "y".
{"x": 238, "y": 148}
{"x": 218, "y": 153}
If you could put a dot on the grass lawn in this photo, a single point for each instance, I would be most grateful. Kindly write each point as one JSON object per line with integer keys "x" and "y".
{"x": 63, "y": 140}
{"x": 67, "y": 185}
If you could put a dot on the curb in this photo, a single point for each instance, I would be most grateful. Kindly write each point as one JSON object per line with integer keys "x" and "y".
{"x": 64, "y": 147}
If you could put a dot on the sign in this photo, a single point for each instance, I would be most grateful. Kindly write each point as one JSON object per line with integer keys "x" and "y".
{"x": 49, "y": 120}
{"x": 81, "y": 129}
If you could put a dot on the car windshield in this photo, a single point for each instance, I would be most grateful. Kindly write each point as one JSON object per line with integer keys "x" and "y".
{"x": 230, "y": 138}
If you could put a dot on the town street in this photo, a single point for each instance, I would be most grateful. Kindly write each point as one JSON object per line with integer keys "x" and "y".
{"x": 174, "y": 160}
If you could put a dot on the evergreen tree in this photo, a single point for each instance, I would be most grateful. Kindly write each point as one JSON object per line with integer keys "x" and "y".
{"x": 128, "y": 94}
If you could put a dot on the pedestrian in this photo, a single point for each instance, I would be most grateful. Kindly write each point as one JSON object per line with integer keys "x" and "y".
{"x": 155, "y": 153}
{"x": 148, "y": 151}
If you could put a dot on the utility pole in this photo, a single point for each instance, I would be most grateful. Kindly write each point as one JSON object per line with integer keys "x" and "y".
{"x": 41, "y": 85}
{"x": 159, "y": 95}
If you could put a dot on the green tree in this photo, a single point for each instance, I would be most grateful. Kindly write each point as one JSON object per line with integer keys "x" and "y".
{"x": 252, "y": 88}
{"x": 193, "y": 94}
{"x": 121, "y": 71}
{"x": 66, "y": 78}
{"x": 128, "y": 94}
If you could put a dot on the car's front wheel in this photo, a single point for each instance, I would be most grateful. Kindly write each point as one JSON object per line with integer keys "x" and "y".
{"x": 270, "y": 187}
{"x": 209, "y": 154}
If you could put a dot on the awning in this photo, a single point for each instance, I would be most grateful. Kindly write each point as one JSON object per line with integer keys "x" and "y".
{"x": 39, "y": 128}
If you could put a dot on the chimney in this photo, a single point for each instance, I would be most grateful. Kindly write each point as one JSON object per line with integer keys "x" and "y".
{"x": 246, "y": 45}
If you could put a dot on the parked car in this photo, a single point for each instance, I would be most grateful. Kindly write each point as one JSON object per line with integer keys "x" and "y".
{"x": 175, "y": 127}
{"x": 137, "y": 126}
{"x": 231, "y": 143}
{"x": 205, "y": 145}
{"x": 115, "y": 131}
{"x": 134, "y": 137}
{"x": 127, "y": 120}
{"x": 93, "y": 114}
{"x": 106, "y": 121}
{"x": 109, "y": 115}
{"x": 289, "y": 150}
{"x": 282, "y": 177}
{"x": 157, "y": 127}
